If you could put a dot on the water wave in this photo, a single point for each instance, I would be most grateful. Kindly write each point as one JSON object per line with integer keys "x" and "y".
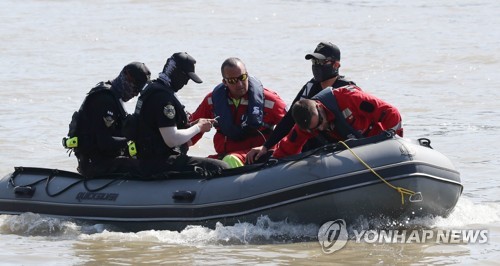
{"x": 263, "y": 231}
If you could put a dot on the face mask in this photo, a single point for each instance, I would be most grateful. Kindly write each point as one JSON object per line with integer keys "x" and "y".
{"x": 129, "y": 91}
{"x": 178, "y": 80}
{"x": 173, "y": 76}
{"x": 324, "y": 72}
{"x": 126, "y": 89}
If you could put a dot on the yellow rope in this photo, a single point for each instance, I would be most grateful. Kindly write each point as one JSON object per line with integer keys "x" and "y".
{"x": 398, "y": 189}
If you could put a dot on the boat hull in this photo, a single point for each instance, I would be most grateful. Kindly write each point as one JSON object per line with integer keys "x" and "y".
{"x": 325, "y": 185}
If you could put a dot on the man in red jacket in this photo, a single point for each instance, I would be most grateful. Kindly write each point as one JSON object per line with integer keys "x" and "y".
{"x": 325, "y": 69}
{"x": 338, "y": 114}
{"x": 246, "y": 113}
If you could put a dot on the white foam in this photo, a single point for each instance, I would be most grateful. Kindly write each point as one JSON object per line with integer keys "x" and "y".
{"x": 263, "y": 231}
{"x": 466, "y": 214}
{"x": 37, "y": 225}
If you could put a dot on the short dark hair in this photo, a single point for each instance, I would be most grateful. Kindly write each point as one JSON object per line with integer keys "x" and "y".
{"x": 302, "y": 112}
{"x": 230, "y": 62}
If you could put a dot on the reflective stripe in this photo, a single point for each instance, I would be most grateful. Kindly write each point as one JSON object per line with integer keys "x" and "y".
{"x": 397, "y": 127}
{"x": 269, "y": 104}
{"x": 350, "y": 87}
{"x": 346, "y": 113}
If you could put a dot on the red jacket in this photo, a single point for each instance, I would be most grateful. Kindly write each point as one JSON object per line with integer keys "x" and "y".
{"x": 274, "y": 111}
{"x": 365, "y": 113}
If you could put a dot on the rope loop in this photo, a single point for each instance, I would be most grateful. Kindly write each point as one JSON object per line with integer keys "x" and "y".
{"x": 401, "y": 190}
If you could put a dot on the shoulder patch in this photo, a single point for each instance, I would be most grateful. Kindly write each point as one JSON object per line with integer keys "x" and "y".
{"x": 169, "y": 111}
{"x": 367, "y": 107}
{"x": 108, "y": 121}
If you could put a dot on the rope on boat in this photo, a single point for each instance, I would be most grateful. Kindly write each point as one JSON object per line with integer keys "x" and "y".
{"x": 401, "y": 190}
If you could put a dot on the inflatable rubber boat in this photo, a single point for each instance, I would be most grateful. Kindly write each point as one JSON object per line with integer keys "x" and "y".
{"x": 382, "y": 176}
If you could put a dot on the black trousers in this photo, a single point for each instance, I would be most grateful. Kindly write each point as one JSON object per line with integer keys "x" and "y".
{"x": 180, "y": 163}
{"x": 108, "y": 167}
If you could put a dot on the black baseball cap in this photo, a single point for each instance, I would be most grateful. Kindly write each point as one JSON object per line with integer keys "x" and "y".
{"x": 325, "y": 50}
{"x": 139, "y": 72}
{"x": 186, "y": 63}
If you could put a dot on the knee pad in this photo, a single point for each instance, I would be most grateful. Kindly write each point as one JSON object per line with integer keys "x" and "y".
{"x": 232, "y": 161}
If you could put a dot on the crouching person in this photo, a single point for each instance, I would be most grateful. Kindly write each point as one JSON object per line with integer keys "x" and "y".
{"x": 338, "y": 114}
{"x": 95, "y": 132}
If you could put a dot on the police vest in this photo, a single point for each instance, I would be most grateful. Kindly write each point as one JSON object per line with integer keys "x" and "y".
{"x": 149, "y": 141}
{"x": 84, "y": 141}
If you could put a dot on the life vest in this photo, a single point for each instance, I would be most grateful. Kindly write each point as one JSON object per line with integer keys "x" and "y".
{"x": 254, "y": 117}
{"x": 149, "y": 141}
{"x": 342, "y": 127}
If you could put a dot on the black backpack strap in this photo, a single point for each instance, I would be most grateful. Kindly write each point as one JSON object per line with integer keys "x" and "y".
{"x": 327, "y": 98}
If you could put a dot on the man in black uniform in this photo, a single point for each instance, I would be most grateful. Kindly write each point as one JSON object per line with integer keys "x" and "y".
{"x": 98, "y": 124}
{"x": 325, "y": 68}
{"x": 164, "y": 132}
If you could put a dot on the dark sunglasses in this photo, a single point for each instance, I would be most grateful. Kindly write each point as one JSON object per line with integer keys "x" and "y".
{"x": 243, "y": 77}
{"x": 321, "y": 62}
{"x": 320, "y": 121}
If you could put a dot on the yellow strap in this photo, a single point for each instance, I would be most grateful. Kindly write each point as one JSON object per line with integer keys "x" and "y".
{"x": 398, "y": 189}
{"x": 236, "y": 102}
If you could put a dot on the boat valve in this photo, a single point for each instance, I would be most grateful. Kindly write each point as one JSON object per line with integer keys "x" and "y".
{"x": 417, "y": 197}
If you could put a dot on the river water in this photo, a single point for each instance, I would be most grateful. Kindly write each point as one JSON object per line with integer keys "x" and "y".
{"x": 437, "y": 61}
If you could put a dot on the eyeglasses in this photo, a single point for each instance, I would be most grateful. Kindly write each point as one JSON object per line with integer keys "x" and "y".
{"x": 243, "y": 77}
{"x": 321, "y": 62}
{"x": 320, "y": 121}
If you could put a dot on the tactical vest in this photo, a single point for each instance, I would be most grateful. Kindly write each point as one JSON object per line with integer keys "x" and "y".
{"x": 149, "y": 141}
{"x": 78, "y": 140}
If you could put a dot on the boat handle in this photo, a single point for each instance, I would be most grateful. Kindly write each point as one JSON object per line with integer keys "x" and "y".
{"x": 24, "y": 191}
{"x": 184, "y": 195}
{"x": 425, "y": 142}
{"x": 417, "y": 197}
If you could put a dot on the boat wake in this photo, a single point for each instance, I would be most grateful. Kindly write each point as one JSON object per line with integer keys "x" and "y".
{"x": 31, "y": 224}
{"x": 465, "y": 214}
{"x": 264, "y": 231}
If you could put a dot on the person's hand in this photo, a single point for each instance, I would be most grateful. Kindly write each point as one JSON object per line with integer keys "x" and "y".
{"x": 255, "y": 153}
{"x": 205, "y": 124}
{"x": 192, "y": 123}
